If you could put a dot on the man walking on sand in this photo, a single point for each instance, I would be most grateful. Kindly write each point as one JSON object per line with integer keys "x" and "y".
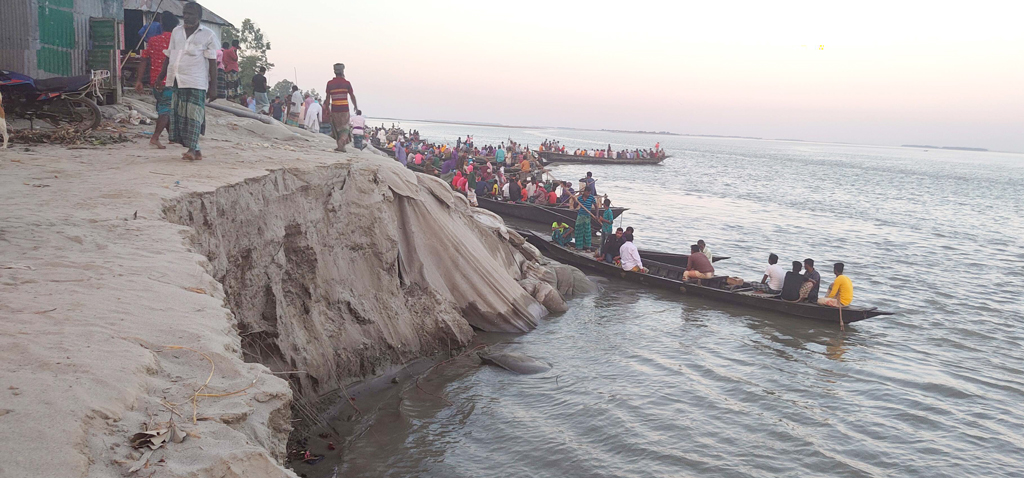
{"x": 153, "y": 59}
{"x": 338, "y": 92}
{"x": 191, "y": 69}
{"x": 259, "y": 90}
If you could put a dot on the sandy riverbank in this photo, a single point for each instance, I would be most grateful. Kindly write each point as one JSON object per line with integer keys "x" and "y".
{"x": 97, "y": 286}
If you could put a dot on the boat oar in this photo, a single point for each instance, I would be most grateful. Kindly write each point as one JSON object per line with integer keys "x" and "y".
{"x": 573, "y": 197}
{"x": 841, "y": 326}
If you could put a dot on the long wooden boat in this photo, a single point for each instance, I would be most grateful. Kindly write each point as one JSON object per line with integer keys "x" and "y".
{"x": 548, "y": 157}
{"x": 669, "y": 277}
{"x": 539, "y": 214}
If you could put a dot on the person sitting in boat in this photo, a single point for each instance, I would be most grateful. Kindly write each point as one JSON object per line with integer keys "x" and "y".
{"x": 515, "y": 191}
{"x": 630, "y": 256}
{"x": 698, "y": 266}
{"x": 774, "y": 277}
{"x": 561, "y": 234}
{"x": 529, "y": 190}
{"x": 809, "y": 291}
{"x": 704, "y": 250}
{"x": 840, "y": 293}
{"x": 540, "y": 195}
{"x": 792, "y": 284}
{"x": 567, "y": 193}
{"x": 552, "y": 197}
{"x": 610, "y": 247}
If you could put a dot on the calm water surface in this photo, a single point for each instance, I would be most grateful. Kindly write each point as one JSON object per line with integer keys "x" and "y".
{"x": 649, "y": 384}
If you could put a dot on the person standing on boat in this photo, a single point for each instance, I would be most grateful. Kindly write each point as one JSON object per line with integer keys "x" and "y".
{"x": 774, "y": 277}
{"x": 698, "y": 266}
{"x": 590, "y": 183}
{"x": 607, "y": 219}
{"x": 704, "y": 250}
{"x": 585, "y": 204}
{"x": 841, "y": 291}
{"x": 629, "y": 255}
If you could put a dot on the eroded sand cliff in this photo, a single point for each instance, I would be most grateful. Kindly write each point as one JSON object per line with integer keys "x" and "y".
{"x": 334, "y": 265}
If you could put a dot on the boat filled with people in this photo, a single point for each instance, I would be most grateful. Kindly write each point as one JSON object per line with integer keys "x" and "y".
{"x": 551, "y": 152}
{"x": 719, "y": 288}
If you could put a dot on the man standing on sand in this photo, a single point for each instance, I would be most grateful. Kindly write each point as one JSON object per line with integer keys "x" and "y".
{"x": 230, "y": 60}
{"x": 191, "y": 68}
{"x": 359, "y": 129}
{"x": 338, "y": 92}
{"x": 153, "y": 57}
{"x": 294, "y": 107}
{"x": 259, "y": 89}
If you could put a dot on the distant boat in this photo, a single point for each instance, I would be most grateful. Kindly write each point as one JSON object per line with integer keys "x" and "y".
{"x": 548, "y": 157}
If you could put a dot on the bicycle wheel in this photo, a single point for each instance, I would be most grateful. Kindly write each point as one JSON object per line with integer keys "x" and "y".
{"x": 81, "y": 113}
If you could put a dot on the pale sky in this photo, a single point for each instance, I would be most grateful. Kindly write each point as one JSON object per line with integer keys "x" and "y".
{"x": 873, "y": 72}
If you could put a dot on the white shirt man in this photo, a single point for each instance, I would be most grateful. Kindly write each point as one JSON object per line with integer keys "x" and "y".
{"x": 629, "y": 255}
{"x": 776, "y": 276}
{"x": 504, "y": 191}
{"x": 188, "y": 58}
{"x": 314, "y": 115}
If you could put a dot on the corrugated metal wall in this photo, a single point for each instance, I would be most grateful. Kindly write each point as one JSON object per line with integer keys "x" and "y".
{"x": 19, "y": 36}
{"x": 45, "y": 38}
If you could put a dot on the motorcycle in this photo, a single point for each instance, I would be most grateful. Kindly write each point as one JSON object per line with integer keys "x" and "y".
{"x": 61, "y": 100}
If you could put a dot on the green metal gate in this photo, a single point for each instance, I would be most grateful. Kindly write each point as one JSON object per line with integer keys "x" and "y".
{"x": 56, "y": 36}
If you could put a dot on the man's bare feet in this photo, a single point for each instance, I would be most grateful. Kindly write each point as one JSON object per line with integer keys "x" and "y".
{"x": 199, "y": 156}
{"x": 188, "y": 156}
{"x": 156, "y": 145}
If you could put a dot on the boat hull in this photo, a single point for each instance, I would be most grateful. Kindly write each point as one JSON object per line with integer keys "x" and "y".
{"x": 539, "y": 214}
{"x": 547, "y": 157}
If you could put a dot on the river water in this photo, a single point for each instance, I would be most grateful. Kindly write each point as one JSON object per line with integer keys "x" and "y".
{"x": 650, "y": 384}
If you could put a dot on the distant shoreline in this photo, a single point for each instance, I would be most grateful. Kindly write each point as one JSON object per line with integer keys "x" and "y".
{"x": 669, "y": 133}
{"x": 955, "y": 148}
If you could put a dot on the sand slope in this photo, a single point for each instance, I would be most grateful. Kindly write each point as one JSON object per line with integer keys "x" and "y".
{"x": 95, "y": 285}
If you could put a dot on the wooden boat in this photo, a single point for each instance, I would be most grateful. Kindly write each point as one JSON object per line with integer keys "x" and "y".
{"x": 669, "y": 277}
{"x": 540, "y": 214}
{"x": 548, "y": 157}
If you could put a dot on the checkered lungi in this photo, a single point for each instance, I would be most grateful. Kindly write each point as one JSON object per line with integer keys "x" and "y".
{"x": 583, "y": 232}
{"x": 222, "y": 84}
{"x": 188, "y": 117}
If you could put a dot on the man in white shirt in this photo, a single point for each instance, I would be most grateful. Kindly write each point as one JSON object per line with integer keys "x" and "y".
{"x": 358, "y": 124}
{"x": 704, "y": 250}
{"x": 314, "y": 114}
{"x": 629, "y": 255}
{"x": 191, "y": 70}
{"x": 774, "y": 277}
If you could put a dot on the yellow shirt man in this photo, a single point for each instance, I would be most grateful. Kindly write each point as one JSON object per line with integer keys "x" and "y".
{"x": 844, "y": 288}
